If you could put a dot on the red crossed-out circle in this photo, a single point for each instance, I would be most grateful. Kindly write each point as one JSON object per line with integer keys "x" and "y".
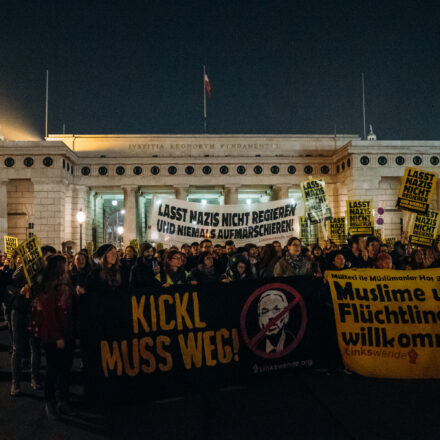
{"x": 253, "y": 343}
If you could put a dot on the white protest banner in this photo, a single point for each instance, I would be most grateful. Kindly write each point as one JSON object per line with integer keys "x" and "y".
{"x": 173, "y": 221}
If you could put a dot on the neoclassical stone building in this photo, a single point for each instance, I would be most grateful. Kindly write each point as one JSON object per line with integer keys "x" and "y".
{"x": 112, "y": 178}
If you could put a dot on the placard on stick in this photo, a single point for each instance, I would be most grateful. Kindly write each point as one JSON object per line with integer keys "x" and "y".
{"x": 30, "y": 252}
{"x": 423, "y": 229}
{"x": 11, "y": 244}
{"x": 416, "y": 190}
{"x": 359, "y": 216}
{"x": 315, "y": 201}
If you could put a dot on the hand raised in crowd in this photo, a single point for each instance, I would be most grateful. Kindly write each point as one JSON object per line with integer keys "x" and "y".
{"x": 193, "y": 282}
{"x": 80, "y": 290}
{"x": 429, "y": 258}
{"x": 25, "y": 291}
{"x": 60, "y": 344}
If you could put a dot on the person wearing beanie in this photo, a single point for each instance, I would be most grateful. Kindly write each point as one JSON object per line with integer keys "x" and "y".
{"x": 109, "y": 277}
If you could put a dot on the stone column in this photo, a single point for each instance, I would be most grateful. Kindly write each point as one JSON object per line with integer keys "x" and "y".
{"x": 280, "y": 192}
{"x": 49, "y": 211}
{"x": 231, "y": 194}
{"x": 130, "y": 195}
{"x": 3, "y": 212}
{"x": 181, "y": 192}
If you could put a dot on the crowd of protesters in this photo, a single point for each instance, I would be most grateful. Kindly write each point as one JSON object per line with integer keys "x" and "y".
{"x": 43, "y": 318}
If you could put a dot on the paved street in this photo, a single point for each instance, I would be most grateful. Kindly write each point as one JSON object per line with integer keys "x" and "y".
{"x": 303, "y": 406}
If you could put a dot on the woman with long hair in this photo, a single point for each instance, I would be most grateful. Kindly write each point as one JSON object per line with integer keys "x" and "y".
{"x": 53, "y": 325}
{"x": 130, "y": 257}
{"x": 109, "y": 277}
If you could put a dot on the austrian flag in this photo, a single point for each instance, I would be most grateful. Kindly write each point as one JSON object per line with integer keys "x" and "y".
{"x": 207, "y": 85}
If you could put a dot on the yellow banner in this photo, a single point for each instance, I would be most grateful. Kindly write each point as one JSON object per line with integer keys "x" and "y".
{"x": 388, "y": 321}
{"x": 315, "y": 201}
{"x": 337, "y": 230}
{"x": 416, "y": 190}
{"x": 423, "y": 228}
{"x": 359, "y": 216}
{"x": 30, "y": 252}
{"x": 378, "y": 233}
{"x": 11, "y": 244}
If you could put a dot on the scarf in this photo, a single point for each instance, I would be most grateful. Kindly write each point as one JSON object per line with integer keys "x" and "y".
{"x": 296, "y": 263}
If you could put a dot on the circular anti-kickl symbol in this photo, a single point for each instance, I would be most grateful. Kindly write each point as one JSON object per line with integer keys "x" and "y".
{"x": 273, "y": 320}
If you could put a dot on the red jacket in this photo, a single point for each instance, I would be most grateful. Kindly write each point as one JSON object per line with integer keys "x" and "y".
{"x": 52, "y": 314}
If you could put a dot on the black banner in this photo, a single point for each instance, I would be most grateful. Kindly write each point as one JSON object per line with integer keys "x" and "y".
{"x": 170, "y": 341}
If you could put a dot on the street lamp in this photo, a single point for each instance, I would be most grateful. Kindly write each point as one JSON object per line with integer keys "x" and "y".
{"x": 120, "y": 230}
{"x": 80, "y": 218}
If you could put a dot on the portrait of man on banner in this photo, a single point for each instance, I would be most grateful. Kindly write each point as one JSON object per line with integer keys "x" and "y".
{"x": 271, "y": 303}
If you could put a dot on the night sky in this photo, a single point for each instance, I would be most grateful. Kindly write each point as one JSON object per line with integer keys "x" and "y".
{"x": 276, "y": 67}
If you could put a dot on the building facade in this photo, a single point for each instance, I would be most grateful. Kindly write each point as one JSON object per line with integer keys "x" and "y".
{"x": 112, "y": 178}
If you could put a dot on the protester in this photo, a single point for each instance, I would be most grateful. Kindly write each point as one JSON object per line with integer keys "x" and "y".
{"x": 193, "y": 259}
{"x": 81, "y": 267}
{"x": 145, "y": 269}
{"x": 109, "y": 277}
{"x": 293, "y": 263}
{"x": 236, "y": 270}
{"x": 53, "y": 325}
{"x": 130, "y": 257}
{"x": 383, "y": 261}
{"x": 269, "y": 258}
{"x": 369, "y": 255}
{"x": 173, "y": 272}
{"x": 205, "y": 272}
{"x": 22, "y": 296}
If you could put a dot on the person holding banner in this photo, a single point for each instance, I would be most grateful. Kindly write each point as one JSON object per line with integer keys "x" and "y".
{"x": 145, "y": 268}
{"x": 205, "y": 272}
{"x": 109, "y": 277}
{"x": 173, "y": 272}
{"x": 371, "y": 252}
{"x": 130, "y": 257}
{"x": 236, "y": 269}
{"x": 293, "y": 263}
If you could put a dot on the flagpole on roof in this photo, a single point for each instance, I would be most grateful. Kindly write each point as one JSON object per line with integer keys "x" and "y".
{"x": 204, "y": 98}
{"x": 47, "y": 102}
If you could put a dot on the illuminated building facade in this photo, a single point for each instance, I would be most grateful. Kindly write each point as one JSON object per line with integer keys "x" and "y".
{"x": 112, "y": 178}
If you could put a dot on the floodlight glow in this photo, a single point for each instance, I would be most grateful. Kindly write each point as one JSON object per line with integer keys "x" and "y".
{"x": 114, "y": 202}
{"x": 123, "y": 211}
{"x": 120, "y": 230}
{"x": 204, "y": 202}
{"x": 248, "y": 201}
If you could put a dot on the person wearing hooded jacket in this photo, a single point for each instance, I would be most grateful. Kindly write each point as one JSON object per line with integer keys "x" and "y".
{"x": 236, "y": 269}
{"x": 145, "y": 268}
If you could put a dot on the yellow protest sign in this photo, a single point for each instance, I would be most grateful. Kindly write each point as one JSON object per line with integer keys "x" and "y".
{"x": 423, "y": 228}
{"x": 337, "y": 230}
{"x": 378, "y": 233}
{"x": 90, "y": 246}
{"x": 135, "y": 244}
{"x": 30, "y": 252}
{"x": 388, "y": 321}
{"x": 11, "y": 244}
{"x": 359, "y": 217}
{"x": 315, "y": 201}
{"x": 307, "y": 231}
{"x": 416, "y": 190}
{"x": 389, "y": 241}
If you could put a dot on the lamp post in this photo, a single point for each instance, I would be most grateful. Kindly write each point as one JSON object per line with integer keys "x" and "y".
{"x": 81, "y": 218}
